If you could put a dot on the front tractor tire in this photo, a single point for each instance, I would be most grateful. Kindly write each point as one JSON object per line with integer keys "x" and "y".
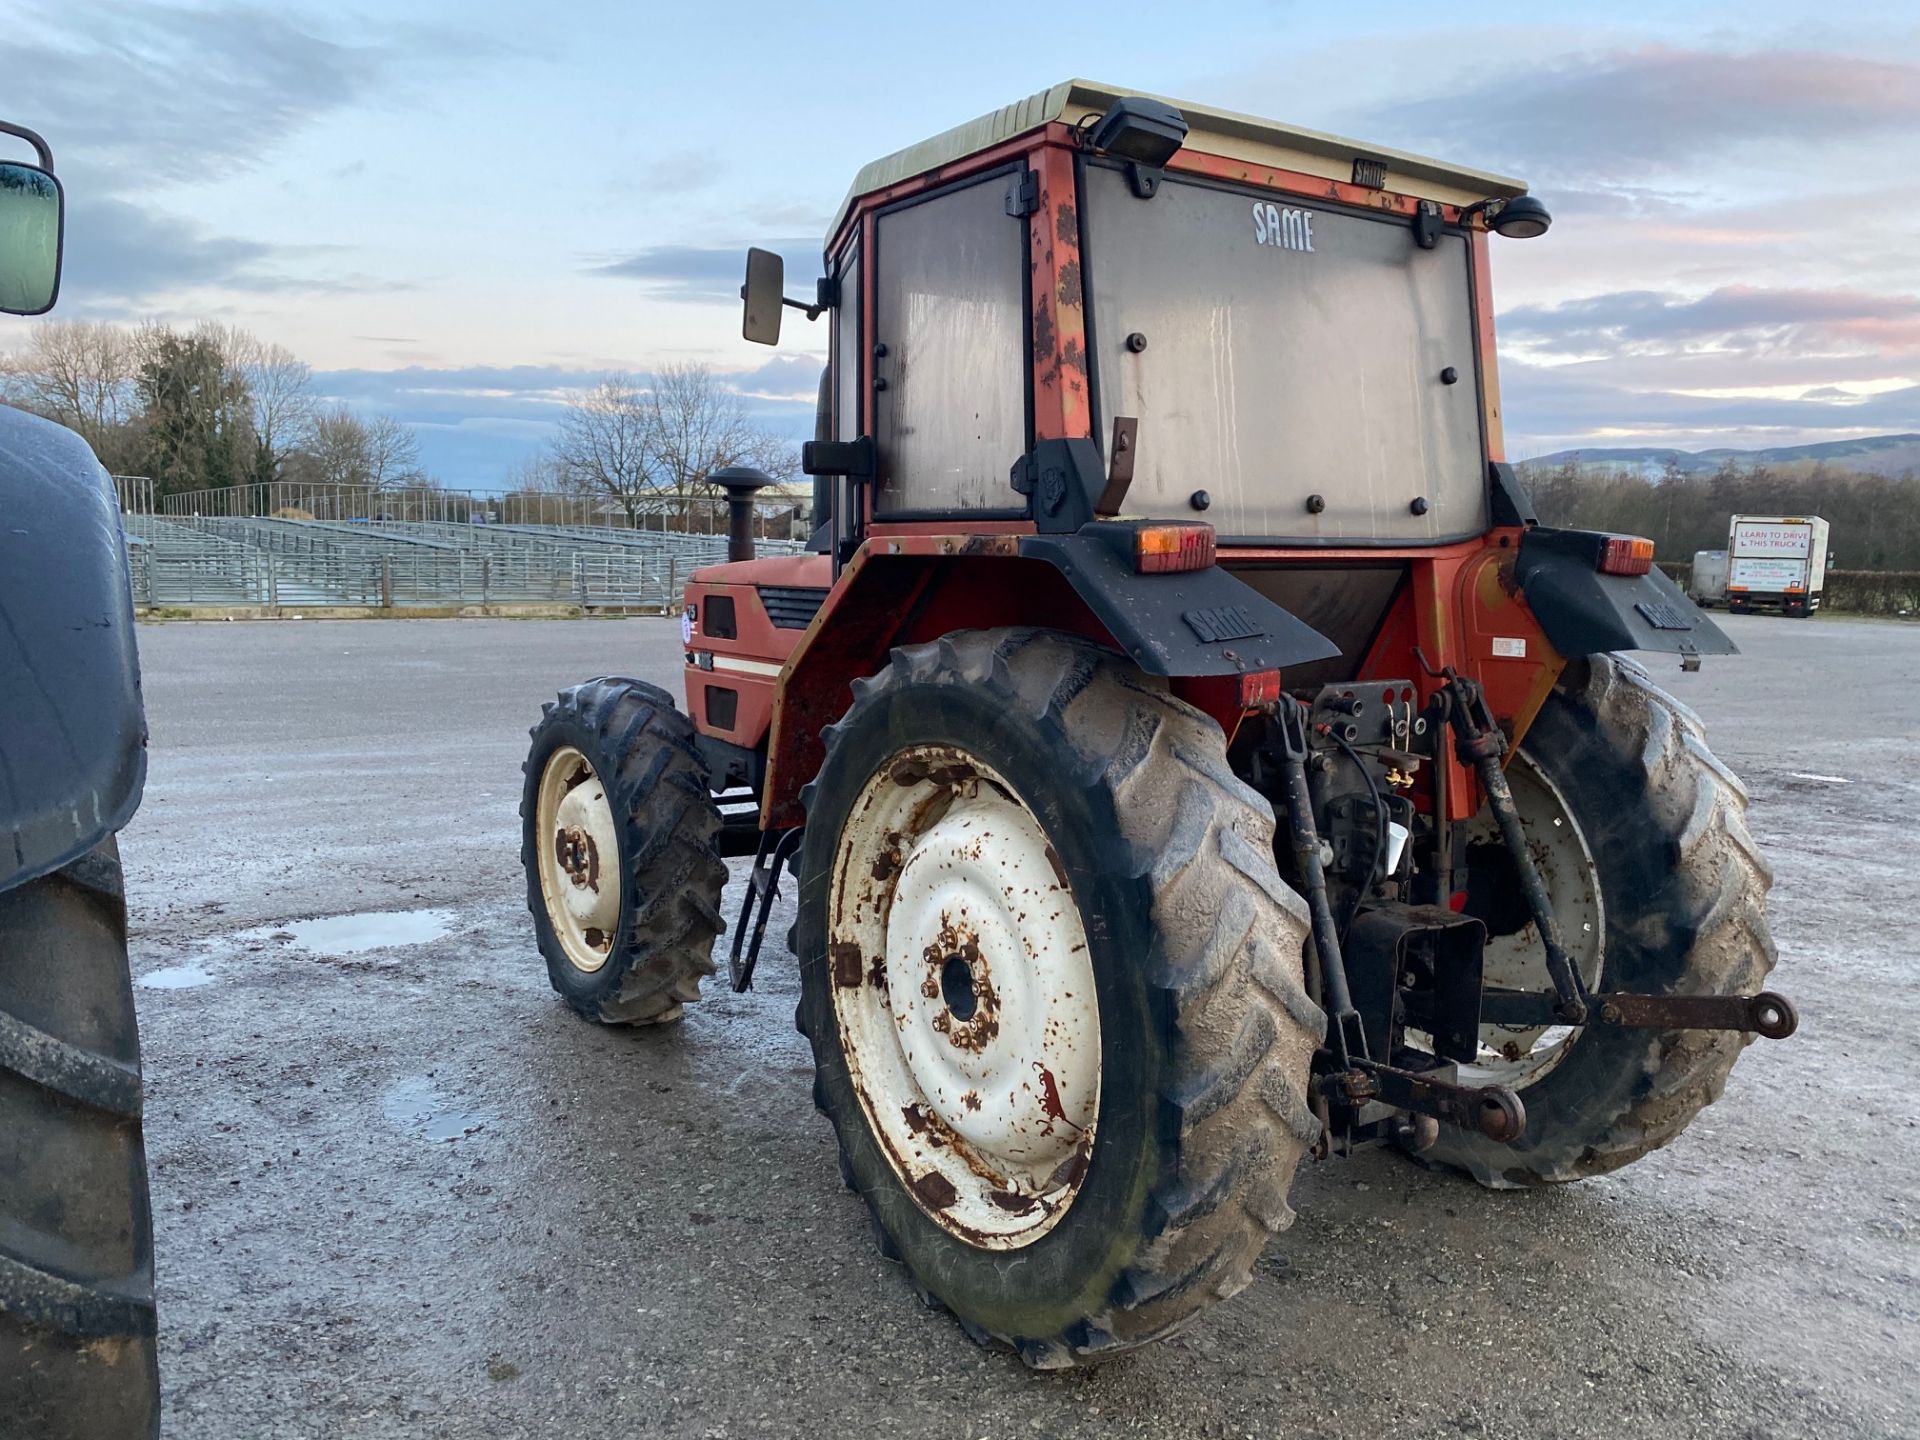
{"x": 77, "y": 1350}
{"x": 1659, "y": 889}
{"x": 619, "y": 839}
{"x": 1052, "y": 982}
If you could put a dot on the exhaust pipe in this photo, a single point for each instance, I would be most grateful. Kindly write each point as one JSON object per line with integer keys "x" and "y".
{"x": 741, "y": 482}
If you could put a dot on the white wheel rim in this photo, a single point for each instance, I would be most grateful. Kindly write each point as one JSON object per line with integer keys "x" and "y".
{"x": 578, "y": 847}
{"x": 1519, "y": 1055}
{"x": 964, "y": 993}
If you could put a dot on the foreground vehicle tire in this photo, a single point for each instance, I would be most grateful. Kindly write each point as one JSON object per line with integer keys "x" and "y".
{"x": 1641, "y": 836}
{"x": 77, "y": 1357}
{"x": 618, "y": 840}
{"x": 1053, "y": 985}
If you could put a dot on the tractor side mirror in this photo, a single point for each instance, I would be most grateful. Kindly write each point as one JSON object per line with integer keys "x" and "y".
{"x": 765, "y": 296}
{"x": 32, "y": 216}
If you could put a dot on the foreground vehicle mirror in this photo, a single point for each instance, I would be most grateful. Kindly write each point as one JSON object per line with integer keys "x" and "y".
{"x": 31, "y": 214}
{"x": 765, "y": 296}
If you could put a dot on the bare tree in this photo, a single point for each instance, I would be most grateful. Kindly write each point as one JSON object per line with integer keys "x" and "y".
{"x": 701, "y": 426}
{"x": 393, "y": 455}
{"x": 79, "y": 372}
{"x": 380, "y": 453}
{"x": 337, "y": 443}
{"x": 540, "y": 473}
{"x": 539, "y": 491}
{"x": 606, "y": 447}
{"x": 281, "y": 385}
{"x": 624, "y": 440}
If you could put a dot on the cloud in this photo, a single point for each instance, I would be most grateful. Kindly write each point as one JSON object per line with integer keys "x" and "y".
{"x": 204, "y": 91}
{"x": 1625, "y": 116}
{"x": 138, "y": 98}
{"x": 118, "y": 252}
{"x": 449, "y": 392}
{"x": 793, "y": 379}
{"x": 1580, "y": 406}
{"x": 701, "y": 272}
{"x": 676, "y": 172}
{"x": 1739, "y": 364}
{"x": 794, "y": 216}
{"x": 1733, "y": 318}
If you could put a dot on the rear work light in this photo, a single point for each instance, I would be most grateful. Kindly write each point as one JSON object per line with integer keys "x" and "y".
{"x": 1158, "y": 549}
{"x": 1626, "y": 555}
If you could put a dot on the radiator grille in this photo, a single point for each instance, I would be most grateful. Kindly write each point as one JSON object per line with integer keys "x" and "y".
{"x": 791, "y": 607}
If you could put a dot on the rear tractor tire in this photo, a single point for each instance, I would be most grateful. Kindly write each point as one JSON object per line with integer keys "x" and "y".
{"x": 1641, "y": 836}
{"x": 619, "y": 838}
{"x": 77, "y": 1356}
{"x": 1052, "y": 981}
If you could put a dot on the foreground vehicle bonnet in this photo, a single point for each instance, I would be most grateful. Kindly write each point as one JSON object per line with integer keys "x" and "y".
{"x": 77, "y": 1330}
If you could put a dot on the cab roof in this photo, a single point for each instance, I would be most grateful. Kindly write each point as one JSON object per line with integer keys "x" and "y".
{"x": 1215, "y": 132}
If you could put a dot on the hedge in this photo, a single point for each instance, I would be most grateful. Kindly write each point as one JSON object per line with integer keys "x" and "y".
{"x": 1859, "y": 592}
{"x": 1874, "y": 592}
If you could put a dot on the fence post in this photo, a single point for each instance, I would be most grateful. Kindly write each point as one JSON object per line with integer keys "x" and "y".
{"x": 673, "y": 584}
{"x": 386, "y": 582}
{"x": 273, "y": 584}
{"x": 486, "y": 577}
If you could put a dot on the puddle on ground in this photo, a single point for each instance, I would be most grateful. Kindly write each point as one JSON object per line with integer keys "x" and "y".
{"x": 415, "y": 1103}
{"x": 370, "y": 930}
{"x": 330, "y": 935}
{"x": 174, "y": 977}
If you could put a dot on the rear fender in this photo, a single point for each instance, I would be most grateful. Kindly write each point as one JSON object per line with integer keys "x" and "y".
{"x": 903, "y": 589}
{"x": 1584, "y": 612}
{"x": 73, "y": 732}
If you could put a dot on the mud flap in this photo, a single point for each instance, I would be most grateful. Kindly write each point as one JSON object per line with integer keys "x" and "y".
{"x": 1195, "y": 622}
{"x": 1584, "y": 612}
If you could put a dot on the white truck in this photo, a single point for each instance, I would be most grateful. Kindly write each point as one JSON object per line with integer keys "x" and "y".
{"x": 1778, "y": 562}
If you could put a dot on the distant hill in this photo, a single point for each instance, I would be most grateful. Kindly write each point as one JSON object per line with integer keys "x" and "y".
{"x": 1876, "y": 455}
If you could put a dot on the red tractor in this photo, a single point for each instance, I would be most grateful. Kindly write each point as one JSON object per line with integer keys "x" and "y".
{"x": 1191, "y": 751}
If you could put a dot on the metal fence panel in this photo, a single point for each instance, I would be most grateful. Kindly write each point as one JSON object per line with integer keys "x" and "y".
{"x": 279, "y": 561}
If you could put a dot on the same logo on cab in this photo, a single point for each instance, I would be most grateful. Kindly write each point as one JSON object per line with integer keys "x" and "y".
{"x": 1285, "y": 228}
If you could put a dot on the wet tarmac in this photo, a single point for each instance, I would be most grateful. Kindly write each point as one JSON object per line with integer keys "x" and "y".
{"x": 401, "y": 1190}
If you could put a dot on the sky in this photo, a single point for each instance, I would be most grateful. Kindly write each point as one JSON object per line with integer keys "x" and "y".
{"x": 459, "y": 213}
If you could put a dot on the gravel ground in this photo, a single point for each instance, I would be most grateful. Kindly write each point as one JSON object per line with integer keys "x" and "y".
{"x": 404, "y": 1191}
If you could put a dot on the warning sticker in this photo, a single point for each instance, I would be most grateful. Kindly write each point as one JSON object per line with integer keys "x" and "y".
{"x": 1510, "y": 647}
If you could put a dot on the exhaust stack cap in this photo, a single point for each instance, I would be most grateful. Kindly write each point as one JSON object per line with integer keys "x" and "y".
{"x": 741, "y": 482}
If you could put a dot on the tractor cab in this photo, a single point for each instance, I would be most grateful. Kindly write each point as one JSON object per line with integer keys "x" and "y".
{"x": 1282, "y": 333}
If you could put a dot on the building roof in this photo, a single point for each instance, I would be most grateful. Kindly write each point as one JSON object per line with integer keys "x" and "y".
{"x": 1217, "y": 132}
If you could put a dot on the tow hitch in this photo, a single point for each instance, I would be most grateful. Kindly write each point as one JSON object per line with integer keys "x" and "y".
{"x": 1394, "y": 966}
{"x": 1480, "y": 746}
{"x": 1770, "y": 1016}
{"x": 1350, "y": 1078}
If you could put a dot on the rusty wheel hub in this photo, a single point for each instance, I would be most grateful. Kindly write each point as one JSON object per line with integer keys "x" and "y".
{"x": 578, "y": 856}
{"x": 576, "y": 830}
{"x": 1518, "y": 1055}
{"x": 964, "y": 992}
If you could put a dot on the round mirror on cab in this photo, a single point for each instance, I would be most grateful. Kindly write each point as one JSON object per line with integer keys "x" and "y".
{"x": 31, "y": 208}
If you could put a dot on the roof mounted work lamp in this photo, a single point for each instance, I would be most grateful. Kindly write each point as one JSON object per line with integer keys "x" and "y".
{"x": 1144, "y": 133}
{"x": 1520, "y": 218}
